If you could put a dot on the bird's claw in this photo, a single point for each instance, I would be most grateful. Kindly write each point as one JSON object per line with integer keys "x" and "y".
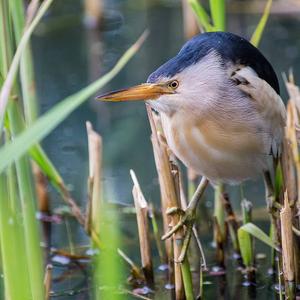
{"x": 273, "y": 206}
{"x": 174, "y": 210}
{"x": 187, "y": 218}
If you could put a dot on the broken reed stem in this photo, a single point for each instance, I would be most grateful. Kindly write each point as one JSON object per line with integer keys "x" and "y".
{"x": 94, "y": 181}
{"x": 293, "y": 108}
{"x": 93, "y": 10}
{"x": 168, "y": 198}
{"x": 190, "y": 25}
{"x": 220, "y": 255}
{"x": 292, "y": 159}
{"x": 47, "y": 281}
{"x": 151, "y": 213}
{"x": 287, "y": 242}
{"x": 141, "y": 207}
{"x": 41, "y": 189}
{"x": 232, "y": 223}
{"x": 135, "y": 270}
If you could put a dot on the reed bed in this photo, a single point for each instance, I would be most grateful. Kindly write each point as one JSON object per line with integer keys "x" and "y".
{"x": 29, "y": 276}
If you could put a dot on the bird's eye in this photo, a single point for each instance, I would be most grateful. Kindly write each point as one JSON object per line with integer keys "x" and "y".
{"x": 174, "y": 84}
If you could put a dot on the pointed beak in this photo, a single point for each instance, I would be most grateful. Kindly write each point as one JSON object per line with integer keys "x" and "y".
{"x": 145, "y": 91}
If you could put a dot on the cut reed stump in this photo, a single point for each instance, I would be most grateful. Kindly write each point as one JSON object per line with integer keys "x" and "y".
{"x": 287, "y": 241}
{"x": 47, "y": 281}
{"x": 94, "y": 181}
{"x": 141, "y": 207}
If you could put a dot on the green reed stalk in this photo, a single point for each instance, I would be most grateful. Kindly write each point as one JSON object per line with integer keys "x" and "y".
{"x": 26, "y": 63}
{"x": 219, "y": 211}
{"x": 107, "y": 269}
{"x": 246, "y": 241}
{"x": 13, "y": 69}
{"x": 14, "y": 265}
{"x": 218, "y": 13}
{"x": 22, "y": 198}
{"x": 46, "y": 123}
{"x": 27, "y": 200}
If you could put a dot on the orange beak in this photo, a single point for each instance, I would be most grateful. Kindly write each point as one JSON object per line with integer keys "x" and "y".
{"x": 145, "y": 91}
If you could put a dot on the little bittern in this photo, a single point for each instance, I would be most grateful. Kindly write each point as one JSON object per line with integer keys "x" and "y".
{"x": 221, "y": 112}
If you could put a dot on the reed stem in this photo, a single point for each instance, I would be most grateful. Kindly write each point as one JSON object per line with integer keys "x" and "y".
{"x": 141, "y": 207}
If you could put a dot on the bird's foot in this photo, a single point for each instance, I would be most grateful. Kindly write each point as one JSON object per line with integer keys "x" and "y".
{"x": 187, "y": 219}
{"x": 273, "y": 206}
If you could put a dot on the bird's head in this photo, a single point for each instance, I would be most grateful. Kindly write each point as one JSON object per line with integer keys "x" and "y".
{"x": 197, "y": 75}
{"x": 177, "y": 84}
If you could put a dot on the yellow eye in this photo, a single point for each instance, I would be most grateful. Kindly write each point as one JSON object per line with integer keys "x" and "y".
{"x": 173, "y": 84}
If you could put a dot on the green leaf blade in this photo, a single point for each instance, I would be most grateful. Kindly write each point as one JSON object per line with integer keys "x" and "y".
{"x": 259, "y": 234}
{"x": 257, "y": 34}
{"x": 201, "y": 14}
{"x": 46, "y": 123}
{"x": 218, "y": 13}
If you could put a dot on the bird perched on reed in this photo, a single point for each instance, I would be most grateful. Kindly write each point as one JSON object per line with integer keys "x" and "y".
{"x": 221, "y": 112}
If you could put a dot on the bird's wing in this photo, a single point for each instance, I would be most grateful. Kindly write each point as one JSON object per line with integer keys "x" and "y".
{"x": 267, "y": 102}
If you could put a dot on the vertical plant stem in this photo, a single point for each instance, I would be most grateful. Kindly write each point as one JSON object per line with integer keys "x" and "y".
{"x": 14, "y": 264}
{"x": 141, "y": 207}
{"x": 156, "y": 233}
{"x": 26, "y": 63}
{"x": 219, "y": 228}
{"x": 169, "y": 196}
{"x": 95, "y": 167}
{"x": 47, "y": 281}
{"x": 218, "y": 12}
{"x": 287, "y": 242}
{"x": 232, "y": 223}
{"x": 190, "y": 26}
{"x": 185, "y": 265}
{"x": 246, "y": 241}
{"x": 11, "y": 75}
{"x": 28, "y": 204}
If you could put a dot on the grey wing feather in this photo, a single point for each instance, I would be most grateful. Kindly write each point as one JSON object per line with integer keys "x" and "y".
{"x": 267, "y": 102}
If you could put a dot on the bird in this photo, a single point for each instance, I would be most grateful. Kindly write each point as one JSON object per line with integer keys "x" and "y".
{"x": 221, "y": 111}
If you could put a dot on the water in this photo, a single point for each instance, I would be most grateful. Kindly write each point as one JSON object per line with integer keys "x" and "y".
{"x": 68, "y": 56}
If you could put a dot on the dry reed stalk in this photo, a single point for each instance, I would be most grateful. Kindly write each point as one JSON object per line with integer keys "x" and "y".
{"x": 95, "y": 167}
{"x": 164, "y": 190}
{"x": 287, "y": 241}
{"x": 292, "y": 159}
{"x": 93, "y": 12}
{"x": 190, "y": 25}
{"x": 47, "y": 281}
{"x": 232, "y": 223}
{"x": 141, "y": 207}
{"x": 41, "y": 189}
{"x": 135, "y": 270}
{"x": 293, "y": 109}
{"x": 75, "y": 209}
{"x": 168, "y": 198}
{"x": 220, "y": 255}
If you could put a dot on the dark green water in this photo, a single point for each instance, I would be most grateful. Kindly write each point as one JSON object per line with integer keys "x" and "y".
{"x": 68, "y": 56}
